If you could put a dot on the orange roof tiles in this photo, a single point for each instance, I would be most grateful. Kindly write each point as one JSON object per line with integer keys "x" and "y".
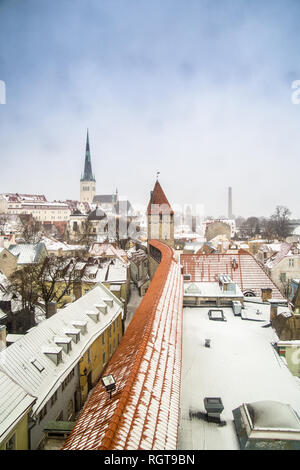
{"x": 143, "y": 412}
{"x": 248, "y": 274}
{"x": 158, "y": 198}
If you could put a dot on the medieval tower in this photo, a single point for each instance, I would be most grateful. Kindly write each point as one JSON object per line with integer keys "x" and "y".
{"x": 160, "y": 216}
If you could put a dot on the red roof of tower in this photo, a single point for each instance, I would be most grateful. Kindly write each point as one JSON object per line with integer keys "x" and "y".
{"x": 158, "y": 198}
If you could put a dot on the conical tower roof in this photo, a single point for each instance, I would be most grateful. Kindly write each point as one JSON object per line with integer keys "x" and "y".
{"x": 87, "y": 174}
{"x": 158, "y": 198}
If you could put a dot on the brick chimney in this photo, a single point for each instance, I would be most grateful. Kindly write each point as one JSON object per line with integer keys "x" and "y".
{"x": 51, "y": 309}
{"x": 266, "y": 294}
{"x": 2, "y": 337}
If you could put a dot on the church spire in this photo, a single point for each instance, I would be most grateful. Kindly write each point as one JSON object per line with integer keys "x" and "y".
{"x": 88, "y": 174}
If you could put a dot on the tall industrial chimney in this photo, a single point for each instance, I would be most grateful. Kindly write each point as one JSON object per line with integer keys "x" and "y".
{"x": 230, "y": 203}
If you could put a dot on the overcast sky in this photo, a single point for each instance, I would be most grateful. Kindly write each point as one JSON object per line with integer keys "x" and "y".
{"x": 199, "y": 90}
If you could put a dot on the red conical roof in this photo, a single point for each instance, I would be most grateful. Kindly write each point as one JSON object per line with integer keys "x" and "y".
{"x": 158, "y": 198}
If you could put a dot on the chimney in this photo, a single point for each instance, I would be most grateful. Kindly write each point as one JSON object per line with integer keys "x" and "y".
{"x": 51, "y": 309}
{"x": 266, "y": 294}
{"x": 229, "y": 202}
{"x": 2, "y": 337}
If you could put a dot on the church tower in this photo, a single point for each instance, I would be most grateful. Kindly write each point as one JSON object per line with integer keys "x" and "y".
{"x": 87, "y": 181}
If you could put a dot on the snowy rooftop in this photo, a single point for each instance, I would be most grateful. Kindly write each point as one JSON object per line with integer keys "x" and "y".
{"x": 27, "y": 253}
{"x": 210, "y": 289}
{"x": 240, "y": 366}
{"x": 242, "y": 268}
{"x": 25, "y": 360}
{"x": 14, "y": 402}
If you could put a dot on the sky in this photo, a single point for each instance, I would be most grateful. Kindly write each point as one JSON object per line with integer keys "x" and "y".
{"x": 199, "y": 90}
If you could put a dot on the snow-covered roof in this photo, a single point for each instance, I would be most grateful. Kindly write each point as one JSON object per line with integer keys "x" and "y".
{"x": 27, "y": 253}
{"x": 53, "y": 245}
{"x": 246, "y": 272}
{"x": 18, "y": 360}
{"x": 113, "y": 270}
{"x": 107, "y": 250}
{"x": 14, "y": 402}
{"x": 210, "y": 289}
{"x": 286, "y": 249}
{"x": 240, "y": 366}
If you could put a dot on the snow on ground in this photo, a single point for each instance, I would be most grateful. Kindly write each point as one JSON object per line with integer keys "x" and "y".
{"x": 241, "y": 366}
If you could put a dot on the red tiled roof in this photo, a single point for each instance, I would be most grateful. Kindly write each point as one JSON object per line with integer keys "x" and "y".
{"x": 143, "y": 412}
{"x": 248, "y": 274}
{"x": 158, "y": 198}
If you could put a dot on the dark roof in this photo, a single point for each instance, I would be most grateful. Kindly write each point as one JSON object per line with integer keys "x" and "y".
{"x": 105, "y": 198}
{"x": 88, "y": 174}
{"x": 97, "y": 214}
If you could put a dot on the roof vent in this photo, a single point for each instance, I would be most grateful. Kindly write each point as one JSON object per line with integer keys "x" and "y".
{"x": 81, "y": 325}
{"x": 74, "y": 334}
{"x": 216, "y": 315}
{"x": 214, "y": 408}
{"x": 93, "y": 315}
{"x": 101, "y": 307}
{"x": 64, "y": 342}
{"x": 54, "y": 353}
{"x": 234, "y": 263}
{"x": 109, "y": 302}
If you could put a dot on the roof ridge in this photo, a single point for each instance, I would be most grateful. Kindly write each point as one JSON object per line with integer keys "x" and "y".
{"x": 112, "y": 427}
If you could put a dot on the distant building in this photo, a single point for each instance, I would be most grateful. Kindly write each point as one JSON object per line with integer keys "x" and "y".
{"x": 284, "y": 266}
{"x": 36, "y": 205}
{"x": 217, "y": 227}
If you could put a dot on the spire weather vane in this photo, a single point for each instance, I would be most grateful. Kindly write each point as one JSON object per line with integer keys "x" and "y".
{"x": 157, "y": 173}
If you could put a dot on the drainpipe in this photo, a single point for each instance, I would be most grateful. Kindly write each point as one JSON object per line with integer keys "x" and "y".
{"x": 30, "y": 427}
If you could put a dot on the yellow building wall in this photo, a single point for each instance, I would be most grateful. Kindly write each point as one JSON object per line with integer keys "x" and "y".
{"x": 21, "y": 431}
{"x": 94, "y": 361}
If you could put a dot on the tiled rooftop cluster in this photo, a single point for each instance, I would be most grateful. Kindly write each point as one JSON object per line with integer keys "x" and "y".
{"x": 143, "y": 412}
{"x": 242, "y": 268}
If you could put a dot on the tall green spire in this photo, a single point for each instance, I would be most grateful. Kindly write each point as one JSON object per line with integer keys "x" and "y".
{"x": 87, "y": 174}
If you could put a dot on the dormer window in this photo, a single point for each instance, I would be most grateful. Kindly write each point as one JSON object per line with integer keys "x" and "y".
{"x": 54, "y": 353}
{"x": 64, "y": 342}
{"x": 81, "y": 325}
{"x": 74, "y": 334}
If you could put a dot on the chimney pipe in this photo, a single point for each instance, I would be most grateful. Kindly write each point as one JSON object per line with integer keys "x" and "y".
{"x": 2, "y": 337}
{"x": 229, "y": 203}
{"x": 51, "y": 309}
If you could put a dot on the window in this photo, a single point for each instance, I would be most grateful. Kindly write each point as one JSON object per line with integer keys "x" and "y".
{"x": 282, "y": 277}
{"x": 104, "y": 358}
{"x": 89, "y": 355}
{"x": 11, "y": 443}
{"x": 291, "y": 262}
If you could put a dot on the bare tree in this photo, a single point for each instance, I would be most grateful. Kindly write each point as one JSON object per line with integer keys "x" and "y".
{"x": 280, "y": 221}
{"x": 33, "y": 231}
{"x": 56, "y": 276}
{"x": 23, "y": 281}
{"x": 250, "y": 227}
{"x": 48, "y": 281}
